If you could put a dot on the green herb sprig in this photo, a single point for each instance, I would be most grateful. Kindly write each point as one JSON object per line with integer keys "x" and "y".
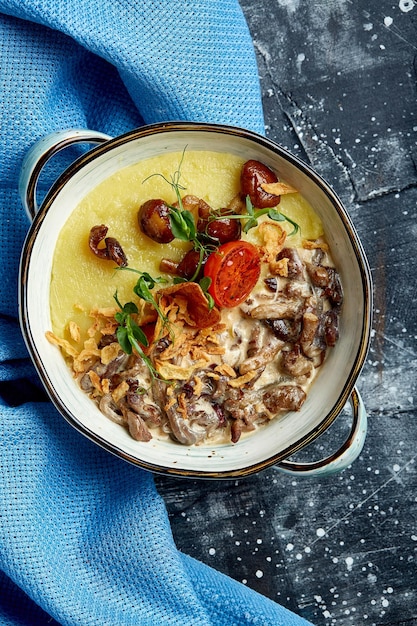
{"x": 183, "y": 227}
{"x": 129, "y": 334}
{"x": 143, "y": 289}
{"x": 252, "y": 216}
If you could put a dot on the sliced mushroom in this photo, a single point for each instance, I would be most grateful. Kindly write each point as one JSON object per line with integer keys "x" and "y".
{"x": 110, "y": 409}
{"x": 294, "y": 363}
{"x": 137, "y": 427}
{"x": 112, "y": 249}
{"x": 264, "y": 355}
{"x": 280, "y": 308}
{"x": 144, "y": 408}
{"x": 310, "y": 342}
{"x": 286, "y": 330}
{"x": 284, "y": 398}
{"x": 331, "y": 327}
{"x": 192, "y": 421}
{"x": 328, "y": 279}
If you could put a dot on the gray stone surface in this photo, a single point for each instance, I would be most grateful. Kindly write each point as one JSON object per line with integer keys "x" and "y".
{"x": 339, "y": 88}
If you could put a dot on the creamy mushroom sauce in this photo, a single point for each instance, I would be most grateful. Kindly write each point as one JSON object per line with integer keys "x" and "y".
{"x": 265, "y": 357}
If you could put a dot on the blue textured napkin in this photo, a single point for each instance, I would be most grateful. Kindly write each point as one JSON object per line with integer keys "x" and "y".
{"x": 84, "y": 537}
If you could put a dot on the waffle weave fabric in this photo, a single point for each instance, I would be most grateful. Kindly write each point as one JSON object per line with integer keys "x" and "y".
{"x": 84, "y": 536}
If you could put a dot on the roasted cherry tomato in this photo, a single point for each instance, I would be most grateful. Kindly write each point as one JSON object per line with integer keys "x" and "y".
{"x": 234, "y": 270}
{"x": 253, "y": 175}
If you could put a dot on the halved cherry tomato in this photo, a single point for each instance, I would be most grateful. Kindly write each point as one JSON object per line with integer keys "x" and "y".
{"x": 234, "y": 269}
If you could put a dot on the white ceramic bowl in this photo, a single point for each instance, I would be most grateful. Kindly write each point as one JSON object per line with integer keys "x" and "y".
{"x": 272, "y": 445}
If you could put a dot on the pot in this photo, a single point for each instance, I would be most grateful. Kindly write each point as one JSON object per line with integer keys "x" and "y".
{"x": 269, "y": 446}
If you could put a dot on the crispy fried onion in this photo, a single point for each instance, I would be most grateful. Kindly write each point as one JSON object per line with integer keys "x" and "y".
{"x": 308, "y": 244}
{"x": 273, "y": 237}
{"x": 278, "y": 188}
{"x": 83, "y": 354}
{"x": 190, "y": 305}
{"x": 191, "y": 336}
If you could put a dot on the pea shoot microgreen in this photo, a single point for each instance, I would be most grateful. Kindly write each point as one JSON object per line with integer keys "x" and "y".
{"x": 253, "y": 216}
{"x": 175, "y": 180}
{"x": 129, "y": 334}
{"x": 205, "y": 284}
{"x": 144, "y": 286}
{"x": 184, "y": 228}
{"x": 182, "y": 224}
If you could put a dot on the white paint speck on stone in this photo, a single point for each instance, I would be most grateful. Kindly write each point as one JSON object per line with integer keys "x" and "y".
{"x": 300, "y": 58}
{"x": 290, "y": 5}
{"x": 406, "y": 5}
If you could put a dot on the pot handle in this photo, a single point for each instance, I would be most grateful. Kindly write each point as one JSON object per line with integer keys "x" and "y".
{"x": 346, "y": 454}
{"x": 40, "y": 153}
